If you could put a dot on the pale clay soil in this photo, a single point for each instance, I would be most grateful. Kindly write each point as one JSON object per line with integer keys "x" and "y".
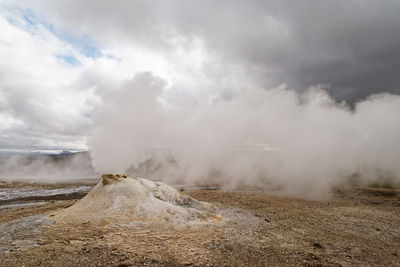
{"x": 357, "y": 227}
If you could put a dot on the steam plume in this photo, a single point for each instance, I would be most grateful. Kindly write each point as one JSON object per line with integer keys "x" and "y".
{"x": 46, "y": 168}
{"x": 302, "y": 144}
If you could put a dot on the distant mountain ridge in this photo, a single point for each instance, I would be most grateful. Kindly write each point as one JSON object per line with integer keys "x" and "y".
{"x": 39, "y": 151}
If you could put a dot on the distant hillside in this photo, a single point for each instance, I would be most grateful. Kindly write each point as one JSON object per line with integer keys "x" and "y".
{"x": 46, "y": 167}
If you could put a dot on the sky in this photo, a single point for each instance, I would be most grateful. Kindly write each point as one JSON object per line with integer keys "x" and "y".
{"x": 61, "y": 61}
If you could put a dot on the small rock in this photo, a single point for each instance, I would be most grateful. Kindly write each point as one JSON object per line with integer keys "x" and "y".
{"x": 318, "y": 245}
{"x": 311, "y": 256}
{"x": 124, "y": 265}
{"x": 75, "y": 242}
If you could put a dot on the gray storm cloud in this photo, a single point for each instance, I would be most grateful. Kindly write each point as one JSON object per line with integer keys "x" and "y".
{"x": 351, "y": 45}
{"x": 213, "y": 46}
{"x": 300, "y": 143}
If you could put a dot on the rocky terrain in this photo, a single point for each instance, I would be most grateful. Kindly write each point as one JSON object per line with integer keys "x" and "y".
{"x": 355, "y": 227}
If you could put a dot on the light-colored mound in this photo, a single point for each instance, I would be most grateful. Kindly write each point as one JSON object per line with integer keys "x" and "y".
{"x": 122, "y": 199}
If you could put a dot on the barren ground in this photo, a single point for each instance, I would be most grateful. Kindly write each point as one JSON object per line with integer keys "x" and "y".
{"x": 356, "y": 227}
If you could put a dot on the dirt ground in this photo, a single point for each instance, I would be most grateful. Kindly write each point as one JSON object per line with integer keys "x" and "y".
{"x": 358, "y": 227}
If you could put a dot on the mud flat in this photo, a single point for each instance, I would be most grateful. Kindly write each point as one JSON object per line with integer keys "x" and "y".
{"x": 355, "y": 227}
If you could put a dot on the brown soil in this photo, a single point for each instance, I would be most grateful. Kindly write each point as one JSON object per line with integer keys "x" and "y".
{"x": 355, "y": 227}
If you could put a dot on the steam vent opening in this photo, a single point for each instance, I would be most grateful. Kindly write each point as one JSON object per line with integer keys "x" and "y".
{"x": 122, "y": 199}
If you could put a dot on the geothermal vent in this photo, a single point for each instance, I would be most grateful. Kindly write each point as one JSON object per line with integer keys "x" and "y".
{"x": 122, "y": 199}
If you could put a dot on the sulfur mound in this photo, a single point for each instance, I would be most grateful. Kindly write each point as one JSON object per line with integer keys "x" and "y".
{"x": 122, "y": 199}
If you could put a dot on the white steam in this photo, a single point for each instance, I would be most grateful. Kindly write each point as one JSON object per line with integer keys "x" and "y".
{"x": 67, "y": 168}
{"x": 302, "y": 144}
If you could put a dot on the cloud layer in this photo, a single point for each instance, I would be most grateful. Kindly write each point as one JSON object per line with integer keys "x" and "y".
{"x": 352, "y": 45}
{"x": 59, "y": 58}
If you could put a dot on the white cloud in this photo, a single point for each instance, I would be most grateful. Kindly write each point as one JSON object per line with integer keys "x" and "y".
{"x": 62, "y": 58}
{"x": 40, "y": 102}
{"x": 50, "y": 84}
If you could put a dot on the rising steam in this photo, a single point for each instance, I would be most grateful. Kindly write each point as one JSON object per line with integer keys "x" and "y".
{"x": 303, "y": 144}
{"x": 67, "y": 168}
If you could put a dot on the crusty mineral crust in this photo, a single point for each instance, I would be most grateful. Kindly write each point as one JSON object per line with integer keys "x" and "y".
{"x": 120, "y": 199}
{"x": 111, "y": 178}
